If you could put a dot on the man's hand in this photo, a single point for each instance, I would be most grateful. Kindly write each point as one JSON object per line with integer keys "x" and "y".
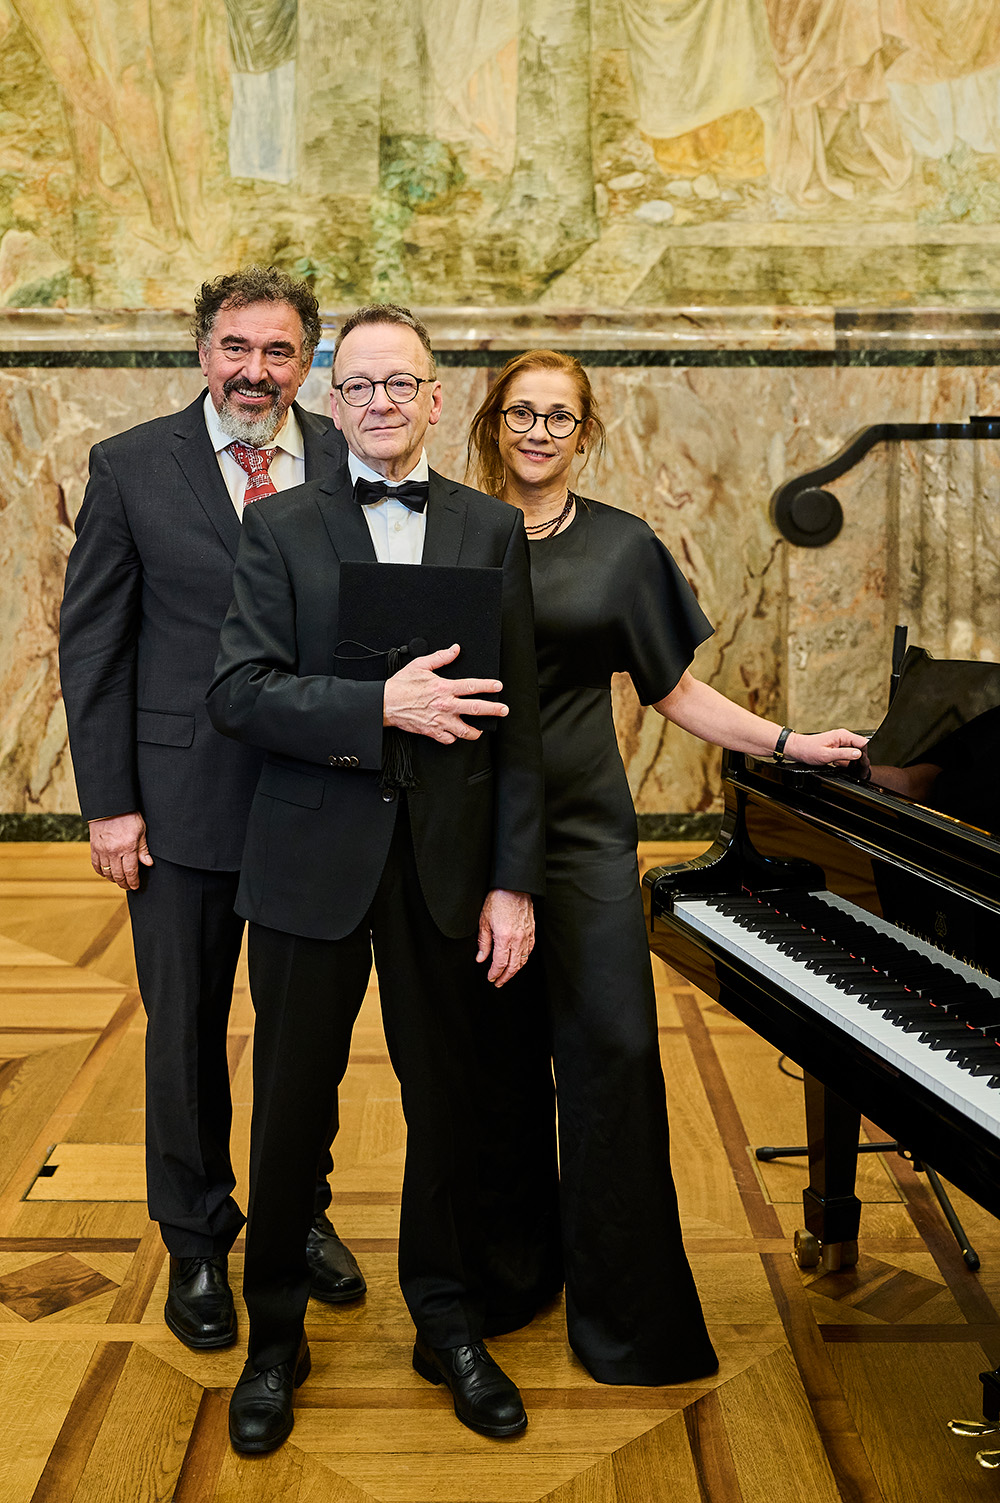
{"x": 506, "y": 933}
{"x": 417, "y": 700}
{"x": 117, "y": 847}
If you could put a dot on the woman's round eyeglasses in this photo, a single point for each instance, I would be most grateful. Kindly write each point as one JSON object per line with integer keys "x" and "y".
{"x": 358, "y": 391}
{"x": 521, "y": 419}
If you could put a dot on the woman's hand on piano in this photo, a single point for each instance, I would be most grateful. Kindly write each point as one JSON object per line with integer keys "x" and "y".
{"x": 826, "y": 748}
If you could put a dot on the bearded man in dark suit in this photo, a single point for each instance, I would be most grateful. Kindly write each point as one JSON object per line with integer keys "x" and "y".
{"x": 431, "y": 874}
{"x": 148, "y": 584}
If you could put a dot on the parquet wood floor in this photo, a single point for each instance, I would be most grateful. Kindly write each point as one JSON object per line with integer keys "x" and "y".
{"x": 831, "y": 1386}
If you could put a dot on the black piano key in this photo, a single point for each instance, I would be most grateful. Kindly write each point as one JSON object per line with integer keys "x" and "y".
{"x": 852, "y": 977}
{"x": 965, "y": 1054}
{"x": 918, "y": 1022}
{"x": 909, "y": 1019}
{"x": 830, "y": 957}
{"x": 968, "y": 1055}
{"x": 898, "y": 1009}
{"x": 973, "y": 1013}
{"x": 954, "y": 1032}
{"x": 834, "y": 968}
{"x": 858, "y": 986}
{"x": 881, "y": 995}
{"x": 946, "y": 996}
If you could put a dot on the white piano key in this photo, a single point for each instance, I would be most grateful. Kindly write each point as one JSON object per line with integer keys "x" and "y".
{"x": 968, "y": 1094}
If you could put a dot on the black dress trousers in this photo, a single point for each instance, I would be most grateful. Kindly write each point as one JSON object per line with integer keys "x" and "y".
{"x": 187, "y": 944}
{"x": 307, "y": 994}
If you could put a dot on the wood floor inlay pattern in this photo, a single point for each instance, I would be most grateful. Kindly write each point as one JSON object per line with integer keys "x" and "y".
{"x": 55, "y": 1284}
{"x": 831, "y": 1386}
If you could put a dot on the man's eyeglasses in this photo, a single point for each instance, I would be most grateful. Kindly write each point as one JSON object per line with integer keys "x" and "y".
{"x": 521, "y": 419}
{"x": 358, "y": 391}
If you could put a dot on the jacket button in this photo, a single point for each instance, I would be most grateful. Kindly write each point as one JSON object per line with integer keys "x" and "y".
{"x": 332, "y": 761}
{"x": 352, "y": 762}
{"x": 388, "y": 794}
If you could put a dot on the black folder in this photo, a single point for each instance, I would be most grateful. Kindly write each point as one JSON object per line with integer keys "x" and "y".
{"x": 391, "y": 613}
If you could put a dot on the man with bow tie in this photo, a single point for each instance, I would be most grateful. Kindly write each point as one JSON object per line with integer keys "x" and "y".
{"x": 148, "y": 584}
{"x": 341, "y": 861}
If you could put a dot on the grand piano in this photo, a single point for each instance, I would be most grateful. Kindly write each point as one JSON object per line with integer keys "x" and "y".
{"x": 852, "y": 918}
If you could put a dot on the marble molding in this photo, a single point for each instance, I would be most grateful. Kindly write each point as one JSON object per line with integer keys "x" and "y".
{"x": 161, "y": 337}
{"x": 802, "y": 636}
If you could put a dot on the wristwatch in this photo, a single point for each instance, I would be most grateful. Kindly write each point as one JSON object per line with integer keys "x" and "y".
{"x": 779, "y": 746}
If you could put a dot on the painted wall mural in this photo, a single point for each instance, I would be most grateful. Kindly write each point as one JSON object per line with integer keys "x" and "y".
{"x": 561, "y": 152}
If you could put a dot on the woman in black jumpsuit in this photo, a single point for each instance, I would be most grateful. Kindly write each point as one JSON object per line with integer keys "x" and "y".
{"x": 608, "y": 599}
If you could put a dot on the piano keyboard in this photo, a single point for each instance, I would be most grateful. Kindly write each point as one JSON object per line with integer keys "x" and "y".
{"x": 897, "y": 1004}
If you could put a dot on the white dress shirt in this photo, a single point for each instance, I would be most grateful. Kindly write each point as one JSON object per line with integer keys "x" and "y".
{"x": 397, "y": 532}
{"x": 288, "y": 467}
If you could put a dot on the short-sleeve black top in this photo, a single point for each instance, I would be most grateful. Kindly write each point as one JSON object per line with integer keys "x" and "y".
{"x": 608, "y": 599}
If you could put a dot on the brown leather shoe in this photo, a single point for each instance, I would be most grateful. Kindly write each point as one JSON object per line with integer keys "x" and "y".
{"x": 260, "y": 1410}
{"x": 486, "y": 1400}
{"x": 333, "y": 1270}
{"x": 199, "y": 1308}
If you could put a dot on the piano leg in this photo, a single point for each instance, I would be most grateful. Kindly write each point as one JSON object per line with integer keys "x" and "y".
{"x": 832, "y": 1210}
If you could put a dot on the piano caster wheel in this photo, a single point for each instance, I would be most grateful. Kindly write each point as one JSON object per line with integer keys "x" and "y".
{"x": 806, "y": 1250}
{"x": 838, "y": 1255}
{"x": 990, "y": 1459}
{"x": 809, "y": 1252}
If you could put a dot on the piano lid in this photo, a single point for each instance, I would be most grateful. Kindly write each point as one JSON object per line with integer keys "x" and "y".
{"x": 939, "y": 743}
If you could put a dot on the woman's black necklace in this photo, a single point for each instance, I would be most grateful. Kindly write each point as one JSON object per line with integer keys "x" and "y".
{"x": 546, "y": 529}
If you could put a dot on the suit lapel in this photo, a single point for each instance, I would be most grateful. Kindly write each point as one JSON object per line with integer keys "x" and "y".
{"x": 196, "y": 457}
{"x": 343, "y": 518}
{"x": 446, "y": 515}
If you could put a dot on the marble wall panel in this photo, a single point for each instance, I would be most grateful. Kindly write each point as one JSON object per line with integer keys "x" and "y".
{"x": 48, "y": 422}
{"x": 802, "y": 636}
{"x": 918, "y": 546}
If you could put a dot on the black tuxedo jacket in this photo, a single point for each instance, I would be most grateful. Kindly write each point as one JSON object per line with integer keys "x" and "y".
{"x": 148, "y": 584}
{"x": 320, "y": 825}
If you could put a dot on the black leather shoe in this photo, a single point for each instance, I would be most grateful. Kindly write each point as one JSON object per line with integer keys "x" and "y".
{"x": 199, "y": 1308}
{"x": 333, "y": 1270}
{"x": 260, "y": 1410}
{"x": 485, "y": 1398}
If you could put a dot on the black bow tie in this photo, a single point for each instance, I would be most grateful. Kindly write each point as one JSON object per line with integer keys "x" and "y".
{"x": 412, "y": 493}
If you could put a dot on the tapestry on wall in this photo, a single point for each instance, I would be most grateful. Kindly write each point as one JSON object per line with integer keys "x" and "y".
{"x": 553, "y": 152}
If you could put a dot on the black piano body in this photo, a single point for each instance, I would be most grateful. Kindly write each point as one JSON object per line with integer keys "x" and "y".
{"x": 932, "y": 878}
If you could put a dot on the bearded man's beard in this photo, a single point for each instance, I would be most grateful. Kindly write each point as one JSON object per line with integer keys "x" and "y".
{"x": 251, "y": 428}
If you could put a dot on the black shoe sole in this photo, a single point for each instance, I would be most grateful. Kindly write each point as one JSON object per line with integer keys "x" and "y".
{"x": 201, "y": 1344}
{"x": 434, "y": 1374}
{"x": 262, "y": 1448}
{"x": 338, "y": 1299}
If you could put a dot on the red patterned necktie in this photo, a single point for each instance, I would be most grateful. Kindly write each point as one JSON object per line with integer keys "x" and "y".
{"x": 257, "y": 463}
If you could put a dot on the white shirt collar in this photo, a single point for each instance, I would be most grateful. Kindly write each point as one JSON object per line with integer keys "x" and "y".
{"x": 288, "y": 437}
{"x": 360, "y": 471}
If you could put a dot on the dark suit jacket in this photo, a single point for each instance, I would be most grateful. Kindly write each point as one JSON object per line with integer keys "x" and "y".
{"x": 319, "y": 830}
{"x": 148, "y": 584}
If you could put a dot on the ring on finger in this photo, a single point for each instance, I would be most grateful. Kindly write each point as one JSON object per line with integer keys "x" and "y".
{"x": 105, "y": 868}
